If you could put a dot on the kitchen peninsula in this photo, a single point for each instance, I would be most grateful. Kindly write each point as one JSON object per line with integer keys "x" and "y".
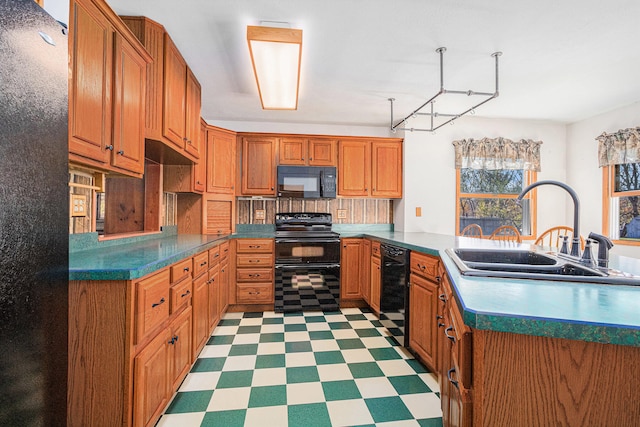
{"x": 541, "y": 351}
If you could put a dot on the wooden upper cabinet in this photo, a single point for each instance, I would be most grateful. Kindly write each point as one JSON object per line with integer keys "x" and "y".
{"x": 322, "y": 152}
{"x": 292, "y": 151}
{"x": 386, "y": 169}
{"x": 91, "y": 52}
{"x": 174, "y": 99}
{"x": 128, "y": 107}
{"x": 106, "y": 91}
{"x": 192, "y": 116}
{"x": 258, "y": 174}
{"x": 221, "y": 161}
{"x": 307, "y": 151}
{"x": 354, "y": 167}
{"x": 370, "y": 168}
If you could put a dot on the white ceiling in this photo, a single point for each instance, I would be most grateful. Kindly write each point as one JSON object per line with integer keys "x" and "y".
{"x": 563, "y": 60}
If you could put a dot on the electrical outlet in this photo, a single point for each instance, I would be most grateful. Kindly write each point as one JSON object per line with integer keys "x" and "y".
{"x": 418, "y": 211}
{"x": 259, "y": 214}
{"x": 342, "y": 214}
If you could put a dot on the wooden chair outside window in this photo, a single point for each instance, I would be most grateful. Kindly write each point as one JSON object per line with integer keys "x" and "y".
{"x": 507, "y": 233}
{"x": 472, "y": 230}
{"x": 553, "y": 237}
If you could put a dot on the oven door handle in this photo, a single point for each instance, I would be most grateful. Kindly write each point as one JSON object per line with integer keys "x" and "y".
{"x": 308, "y": 240}
{"x": 304, "y": 266}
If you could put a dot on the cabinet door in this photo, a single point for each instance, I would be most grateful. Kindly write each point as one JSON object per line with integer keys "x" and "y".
{"x": 192, "y": 116}
{"x": 221, "y": 161}
{"x": 354, "y": 167}
{"x": 151, "y": 381}
{"x": 224, "y": 285}
{"x": 292, "y": 151}
{"x": 422, "y": 319}
{"x": 322, "y": 152}
{"x": 365, "y": 267}
{"x": 218, "y": 215}
{"x": 175, "y": 77}
{"x": 375, "y": 284}
{"x": 258, "y": 166}
{"x": 200, "y": 167}
{"x": 90, "y": 102}
{"x": 350, "y": 274}
{"x": 130, "y": 71}
{"x": 200, "y": 302}
{"x": 180, "y": 347}
{"x": 386, "y": 170}
{"x": 214, "y": 296}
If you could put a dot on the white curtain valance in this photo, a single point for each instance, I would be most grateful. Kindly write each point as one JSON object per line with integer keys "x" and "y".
{"x": 619, "y": 148}
{"x": 497, "y": 153}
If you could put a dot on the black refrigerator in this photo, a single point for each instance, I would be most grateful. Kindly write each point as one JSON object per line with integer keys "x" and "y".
{"x": 34, "y": 220}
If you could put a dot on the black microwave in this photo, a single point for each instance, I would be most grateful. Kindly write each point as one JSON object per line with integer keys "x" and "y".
{"x": 307, "y": 182}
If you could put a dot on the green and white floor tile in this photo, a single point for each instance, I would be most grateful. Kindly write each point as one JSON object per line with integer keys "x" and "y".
{"x": 304, "y": 369}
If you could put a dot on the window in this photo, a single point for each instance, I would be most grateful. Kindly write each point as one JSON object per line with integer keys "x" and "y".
{"x": 621, "y": 202}
{"x": 488, "y": 198}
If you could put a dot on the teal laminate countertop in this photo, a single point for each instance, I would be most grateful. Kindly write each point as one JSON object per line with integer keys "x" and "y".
{"x": 580, "y": 311}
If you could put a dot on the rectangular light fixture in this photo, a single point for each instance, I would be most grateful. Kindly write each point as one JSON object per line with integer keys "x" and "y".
{"x": 275, "y": 56}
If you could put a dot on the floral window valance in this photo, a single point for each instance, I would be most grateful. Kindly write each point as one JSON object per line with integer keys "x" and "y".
{"x": 497, "y": 153}
{"x": 619, "y": 147}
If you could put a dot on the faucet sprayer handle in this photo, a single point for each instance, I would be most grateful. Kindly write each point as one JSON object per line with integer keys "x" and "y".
{"x": 564, "y": 249}
{"x": 604, "y": 244}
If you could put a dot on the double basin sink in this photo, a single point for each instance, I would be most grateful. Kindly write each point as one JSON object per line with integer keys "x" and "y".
{"x": 533, "y": 264}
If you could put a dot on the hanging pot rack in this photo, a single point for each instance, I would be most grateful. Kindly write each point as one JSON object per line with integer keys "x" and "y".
{"x": 434, "y": 114}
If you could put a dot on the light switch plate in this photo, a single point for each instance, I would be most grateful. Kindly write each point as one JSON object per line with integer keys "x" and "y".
{"x": 342, "y": 214}
{"x": 259, "y": 214}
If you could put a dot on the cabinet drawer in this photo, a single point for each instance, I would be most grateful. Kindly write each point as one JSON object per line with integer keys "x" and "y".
{"x": 254, "y": 274}
{"x": 152, "y": 302}
{"x": 200, "y": 263}
{"x": 180, "y": 294}
{"x": 214, "y": 255}
{"x": 254, "y": 293}
{"x": 181, "y": 269}
{"x": 425, "y": 265}
{"x": 254, "y": 260}
{"x": 254, "y": 246}
{"x": 224, "y": 250}
{"x": 375, "y": 249}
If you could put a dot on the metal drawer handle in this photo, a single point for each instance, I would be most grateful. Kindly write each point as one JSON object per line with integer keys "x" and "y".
{"x": 185, "y": 269}
{"x": 451, "y": 380}
{"x": 254, "y": 260}
{"x": 440, "y": 324}
{"x": 451, "y": 337}
{"x": 255, "y": 275}
{"x": 185, "y": 294}
{"x": 157, "y": 303}
{"x": 254, "y": 293}
{"x": 217, "y": 255}
{"x": 255, "y": 246}
{"x": 442, "y": 297}
{"x": 203, "y": 264}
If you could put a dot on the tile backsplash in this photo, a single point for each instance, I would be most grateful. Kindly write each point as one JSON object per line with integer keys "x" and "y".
{"x": 358, "y": 211}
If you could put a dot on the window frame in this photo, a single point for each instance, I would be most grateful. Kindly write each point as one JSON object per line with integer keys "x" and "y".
{"x": 529, "y": 178}
{"x": 609, "y": 193}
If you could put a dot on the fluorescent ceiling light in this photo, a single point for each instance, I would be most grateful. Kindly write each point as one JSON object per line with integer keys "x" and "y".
{"x": 275, "y": 55}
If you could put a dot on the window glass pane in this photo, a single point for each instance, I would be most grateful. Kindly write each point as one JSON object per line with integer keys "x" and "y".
{"x": 629, "y": 217}
{"x": 501, "y": 181}
{"x": 489, "y": 214}
{"x": 627, "y": 177}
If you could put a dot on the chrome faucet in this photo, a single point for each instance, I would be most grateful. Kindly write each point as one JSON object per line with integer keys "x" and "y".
{"x": 575, "y": 243}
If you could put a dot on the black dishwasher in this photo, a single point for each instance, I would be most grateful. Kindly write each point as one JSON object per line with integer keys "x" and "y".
{"x": 394, "y": 292}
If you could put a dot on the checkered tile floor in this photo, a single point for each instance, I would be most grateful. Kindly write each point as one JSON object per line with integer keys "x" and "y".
{"x": 304, "y": 369}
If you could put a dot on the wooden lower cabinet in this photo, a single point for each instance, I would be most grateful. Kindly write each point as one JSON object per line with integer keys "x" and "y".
{"x": 376, "y": 282}
{"x": 350, "y": 269}
{"x": 132, "y": 342}
{"x": 254, "y": 278}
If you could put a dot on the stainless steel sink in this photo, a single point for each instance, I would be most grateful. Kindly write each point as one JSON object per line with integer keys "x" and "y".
{"x": 531, "y": 264}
